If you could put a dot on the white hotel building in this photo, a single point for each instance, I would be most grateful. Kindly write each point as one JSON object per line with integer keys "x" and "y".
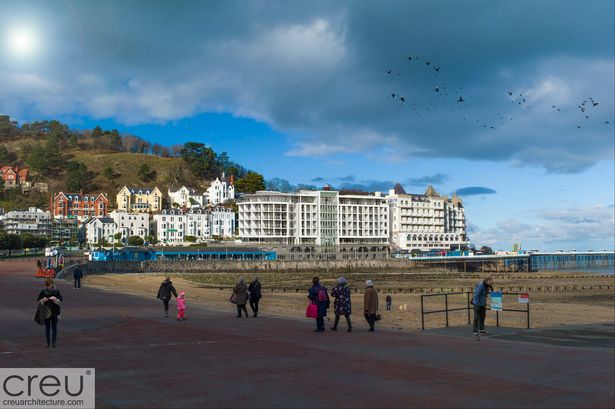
{"x": 426, "y": 222}
{"x": 316, "y": 219}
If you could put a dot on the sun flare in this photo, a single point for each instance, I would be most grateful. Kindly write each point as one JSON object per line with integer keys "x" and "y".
{"x": 22, "y": 41}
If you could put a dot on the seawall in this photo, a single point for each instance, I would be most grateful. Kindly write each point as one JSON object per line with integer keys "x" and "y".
{"x": 199, "y": 266}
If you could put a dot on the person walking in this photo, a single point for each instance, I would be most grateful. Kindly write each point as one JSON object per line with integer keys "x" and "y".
{"x": 241, "y": 297}
{"x": 370, "y": 304}
{"x": 164, "y": 294}
{"x": 389, "y": 301}
{"x": 479, "y": 301}
{"x": 255, "y": 295}
{"x": 341, "y": 305}
{"x": 77, "y": 275}
{"x": 181, "y": 307}
{"x": 51, "y": 298}
{"x": 319, "y": 296}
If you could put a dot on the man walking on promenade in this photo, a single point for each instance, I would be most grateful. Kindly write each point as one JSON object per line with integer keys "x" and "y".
{"x": 164, "y": 294}
{"x": 479, "y": 301}
{"x": 77, "y": 275}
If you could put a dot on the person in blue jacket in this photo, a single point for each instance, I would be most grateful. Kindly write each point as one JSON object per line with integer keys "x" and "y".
{"x": 479, "y": 300}
{"x": 318, "y": 295}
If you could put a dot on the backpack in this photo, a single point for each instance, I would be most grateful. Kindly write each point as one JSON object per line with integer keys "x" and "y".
{"x": 322, "y": 294}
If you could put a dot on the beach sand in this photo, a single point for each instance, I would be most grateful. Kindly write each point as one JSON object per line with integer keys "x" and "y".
{"x": 548, "y": 308}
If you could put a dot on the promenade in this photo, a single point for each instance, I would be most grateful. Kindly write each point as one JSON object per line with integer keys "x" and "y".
{"x": 216, "y": 360}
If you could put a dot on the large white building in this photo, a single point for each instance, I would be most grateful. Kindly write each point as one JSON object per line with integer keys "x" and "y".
{"x": 426, "y": 222}
{"x": 131, "y": 224}
{"x": 173, "y": 226}
{"x": 220, "y": 191}
{"x": 317, "y": 218}
{"x": 185, "y": 198}
{"x": 222, "y": 221}
{"x": 99, "y": 230}
{"x": 34, "y": 221}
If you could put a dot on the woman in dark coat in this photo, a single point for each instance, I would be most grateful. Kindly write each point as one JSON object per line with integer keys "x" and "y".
{"x": 241, "y": 297}
{"x": 164, "y": 294}
{"x": 341, "y": 305}
{"x": 50, "y": 297}
{"x": 370, "y": 304}
{"x": 255, "y": 295}
{"x": 318, "y": 295}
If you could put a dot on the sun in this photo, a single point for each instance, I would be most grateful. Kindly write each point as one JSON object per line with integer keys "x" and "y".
{"x": 22, "y": 41}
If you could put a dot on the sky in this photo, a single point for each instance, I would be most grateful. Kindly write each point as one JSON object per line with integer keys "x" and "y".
{"x": 510, "y": 104}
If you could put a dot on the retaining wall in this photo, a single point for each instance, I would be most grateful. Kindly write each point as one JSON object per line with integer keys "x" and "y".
{"x": 196, "y": 266}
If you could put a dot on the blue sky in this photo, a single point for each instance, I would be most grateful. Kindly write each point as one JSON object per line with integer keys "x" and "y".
{"x": 506, "y": 102}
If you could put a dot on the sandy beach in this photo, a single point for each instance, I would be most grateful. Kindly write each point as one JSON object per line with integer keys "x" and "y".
{"x": 285, "y": 296}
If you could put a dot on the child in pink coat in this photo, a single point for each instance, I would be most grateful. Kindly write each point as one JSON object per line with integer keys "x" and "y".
{"x": 181, "y": 306}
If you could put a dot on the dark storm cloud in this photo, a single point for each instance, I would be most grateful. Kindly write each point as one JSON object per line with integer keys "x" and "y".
{"x": 317, "y": 72}
{"x": 474, "y": 190}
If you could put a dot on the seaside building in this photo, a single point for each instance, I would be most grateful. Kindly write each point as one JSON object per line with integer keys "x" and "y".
{"x": 222, "y": 221}
{"x": 14, "y": 176}
{"x": 426, "y": 222}
{"x": 139, "y": 199}
{"x": 99, "y": 230}
{"x": 131, "y": 224}
{"x": 65, "y": 231}
{"x": 185, "y": 198}
{"x": 220, "y": 191}
{"x": 34, "y": 221}
{"x": 80, "y": 206}
{"x": 172, "y": 226}
{"x": 317, "y": 224}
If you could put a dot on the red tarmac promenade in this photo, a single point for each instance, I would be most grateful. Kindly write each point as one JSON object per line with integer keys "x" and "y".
{"x": 216, "y": 360}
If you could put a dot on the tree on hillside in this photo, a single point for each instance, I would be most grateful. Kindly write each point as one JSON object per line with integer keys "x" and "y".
{"x": 146, "y": 174}
{"x": 4, "y": 156}
{"x": 8, "y": 128}
{"x": 78, "y": 177}
{"x": 97, "y": 133}
{"x": 250, "y": 183}
{"x": 201, "y": 160}
{"x": 109, "y": 173}
{"x": 157, "y": 149}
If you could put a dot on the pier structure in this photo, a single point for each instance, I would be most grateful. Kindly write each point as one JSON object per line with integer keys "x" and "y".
{"x": 539, "y": 261}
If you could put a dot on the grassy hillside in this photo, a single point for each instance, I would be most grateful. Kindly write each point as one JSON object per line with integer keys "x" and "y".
{"x": 169, "y": 171}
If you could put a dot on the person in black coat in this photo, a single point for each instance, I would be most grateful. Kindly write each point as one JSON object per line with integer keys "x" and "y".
{"x": 164, "y": 294}
{"x": 50, "y": 297}
{"x": 255, "y": 295}
{"x": 77, "y": 275}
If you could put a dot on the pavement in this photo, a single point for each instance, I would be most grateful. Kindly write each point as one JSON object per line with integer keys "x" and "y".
{"x": 216, "y": 360}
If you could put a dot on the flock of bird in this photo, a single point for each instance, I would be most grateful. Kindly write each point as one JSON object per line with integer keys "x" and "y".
{"x": 456, "y": 105}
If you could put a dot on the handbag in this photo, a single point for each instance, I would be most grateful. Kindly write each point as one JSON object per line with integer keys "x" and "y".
{"x": 233, "y": 298}
{"x": 43, "y": 312}
{"x": 378, "y": 317}
{"x": 311, "y": 311}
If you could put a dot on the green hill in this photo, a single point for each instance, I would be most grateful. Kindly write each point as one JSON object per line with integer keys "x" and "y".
{"x": 104, "y": 161}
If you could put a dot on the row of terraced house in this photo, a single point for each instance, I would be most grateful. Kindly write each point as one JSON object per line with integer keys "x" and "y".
{"x": 139, "y": 212}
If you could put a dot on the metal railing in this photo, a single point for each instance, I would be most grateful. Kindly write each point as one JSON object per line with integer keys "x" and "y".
{"x": 468, "y": 308}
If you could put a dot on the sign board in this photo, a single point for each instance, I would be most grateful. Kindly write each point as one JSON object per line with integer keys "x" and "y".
{"x": 523, "y": 298}
{"x": 496, "y": 301}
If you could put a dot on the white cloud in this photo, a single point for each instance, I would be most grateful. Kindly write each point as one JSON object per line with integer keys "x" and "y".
{"x": 580, "y": 228}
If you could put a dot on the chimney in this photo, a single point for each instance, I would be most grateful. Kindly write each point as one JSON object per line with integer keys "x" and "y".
{"x": 232, "y": 180}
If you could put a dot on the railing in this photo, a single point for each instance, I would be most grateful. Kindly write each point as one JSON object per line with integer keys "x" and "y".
{"x": 468, "y": 308}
